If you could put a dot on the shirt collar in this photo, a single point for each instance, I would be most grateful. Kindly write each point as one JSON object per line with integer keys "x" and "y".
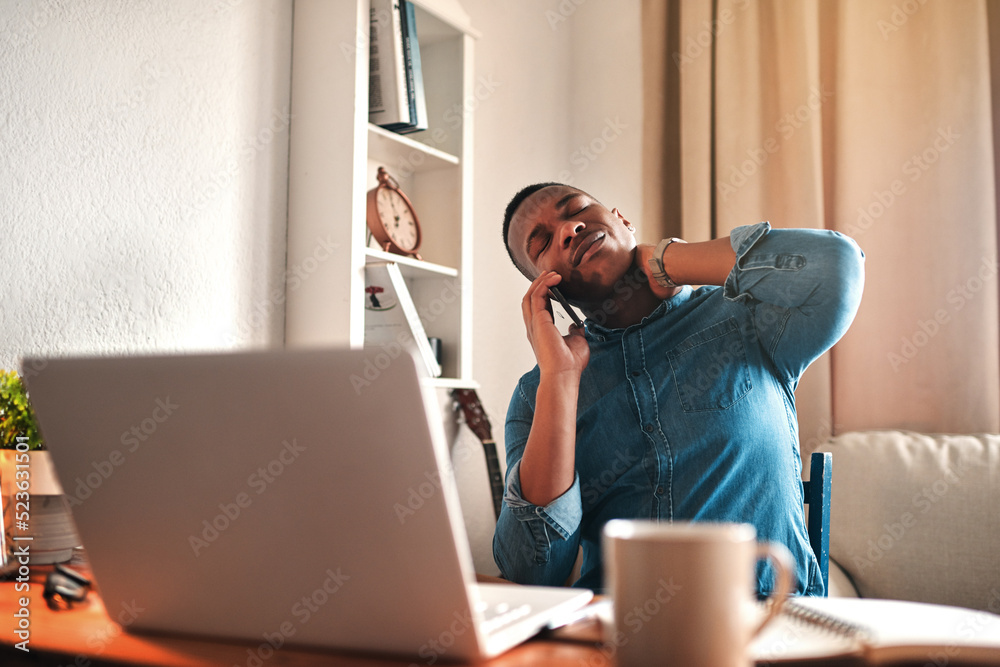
{"x": 597, "y": 331}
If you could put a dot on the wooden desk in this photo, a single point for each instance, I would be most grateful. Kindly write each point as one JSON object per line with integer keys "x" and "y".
{"x": 88, "y": 636}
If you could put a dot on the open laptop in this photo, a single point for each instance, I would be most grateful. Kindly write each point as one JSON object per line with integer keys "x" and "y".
{"x": 310, "y": 491}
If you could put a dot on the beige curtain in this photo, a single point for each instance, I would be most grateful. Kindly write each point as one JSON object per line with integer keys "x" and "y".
{"x": 870, "y": 117}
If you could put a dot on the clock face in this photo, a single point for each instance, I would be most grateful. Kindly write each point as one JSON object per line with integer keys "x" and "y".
{"x": 397, "y": 218}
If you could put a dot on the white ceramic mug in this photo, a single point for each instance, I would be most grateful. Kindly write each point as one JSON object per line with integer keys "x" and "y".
{"x": 684, "y": 593}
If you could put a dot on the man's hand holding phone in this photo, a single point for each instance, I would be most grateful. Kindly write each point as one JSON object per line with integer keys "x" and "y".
{"x": 548, "y": 465}
{"x": 555, "y": 353}
{"x": 557, "y": 295}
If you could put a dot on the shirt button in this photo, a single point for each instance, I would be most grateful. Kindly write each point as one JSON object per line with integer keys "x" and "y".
{"x": 649, "y": 428}
{"x": 636, "y": 374}
{"x": 659, "y": 490}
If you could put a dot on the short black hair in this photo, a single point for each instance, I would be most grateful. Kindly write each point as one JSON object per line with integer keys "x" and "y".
{"x": 512, "y": 207}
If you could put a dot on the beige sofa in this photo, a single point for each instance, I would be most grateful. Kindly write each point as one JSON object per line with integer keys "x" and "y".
{"x": 916, "y": 517}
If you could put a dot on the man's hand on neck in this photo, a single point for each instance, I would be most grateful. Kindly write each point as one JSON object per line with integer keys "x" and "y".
{"x": 637, "y": 294}
{"x": 631, "y": 299}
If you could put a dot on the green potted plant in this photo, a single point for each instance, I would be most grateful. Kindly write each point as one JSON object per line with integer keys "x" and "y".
{"x": 17, "y": 419}
{"x": 25, "y": 467}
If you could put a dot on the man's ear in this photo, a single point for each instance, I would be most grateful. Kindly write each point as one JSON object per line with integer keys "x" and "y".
{"x": 618, "y": 214}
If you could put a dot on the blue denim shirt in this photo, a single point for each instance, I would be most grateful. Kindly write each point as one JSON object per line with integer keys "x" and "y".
{"x": 690, "y": 414}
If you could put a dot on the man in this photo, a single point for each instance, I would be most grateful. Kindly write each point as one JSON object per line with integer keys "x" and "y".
{"x": 671, "y": 403}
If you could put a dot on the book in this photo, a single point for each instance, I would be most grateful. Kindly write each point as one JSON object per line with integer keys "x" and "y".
{"x": 878, "y": 632}
{"x": 391, "y": 319}
{"x": 388, "y": 103}
{"x": 813, "y": 631}
{"x": 413, "y": 73}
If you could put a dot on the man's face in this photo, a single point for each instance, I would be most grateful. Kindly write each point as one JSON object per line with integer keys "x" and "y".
{"x": 563, "y": 229}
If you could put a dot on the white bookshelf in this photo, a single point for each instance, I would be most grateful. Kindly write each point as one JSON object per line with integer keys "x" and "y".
{"x": 334, "y": 155}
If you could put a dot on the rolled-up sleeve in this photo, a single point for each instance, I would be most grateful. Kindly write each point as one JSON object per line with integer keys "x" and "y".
{"x": 804, "y": 286}
{"x": 534, "y": 544}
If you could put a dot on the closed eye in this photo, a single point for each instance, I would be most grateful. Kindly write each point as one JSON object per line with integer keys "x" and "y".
{"x": 545, "y": 245}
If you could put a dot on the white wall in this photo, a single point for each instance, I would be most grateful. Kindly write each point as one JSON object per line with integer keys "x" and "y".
{"x": 143, "y": 172}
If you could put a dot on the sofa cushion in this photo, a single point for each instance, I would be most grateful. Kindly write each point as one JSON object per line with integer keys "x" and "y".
{"x": 840, "y": 584}
{"x": 917, "y": 517}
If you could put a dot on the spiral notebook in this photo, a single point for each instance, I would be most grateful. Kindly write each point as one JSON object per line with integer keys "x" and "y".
{"x": 829, "y": 630}
{"x": 879, "y": 632}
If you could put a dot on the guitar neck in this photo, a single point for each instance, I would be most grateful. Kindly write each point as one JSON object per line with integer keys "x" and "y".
{"x": 496, "y": 479}
{"x": 476, "y": 420}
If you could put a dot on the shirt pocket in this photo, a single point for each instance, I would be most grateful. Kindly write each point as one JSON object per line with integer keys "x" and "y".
{"x": 710, "y": 368}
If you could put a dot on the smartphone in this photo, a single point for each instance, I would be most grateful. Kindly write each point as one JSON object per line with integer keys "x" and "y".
{"x": 557, "y": 295}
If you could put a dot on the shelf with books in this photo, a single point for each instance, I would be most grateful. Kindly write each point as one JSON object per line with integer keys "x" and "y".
{"x": 335, "y": 154}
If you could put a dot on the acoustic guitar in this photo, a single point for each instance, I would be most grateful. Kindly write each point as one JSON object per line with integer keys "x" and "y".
{"x": 476, "y": 420}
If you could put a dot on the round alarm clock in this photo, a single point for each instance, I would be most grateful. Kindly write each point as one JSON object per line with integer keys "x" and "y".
{"x": 391, "y": 218}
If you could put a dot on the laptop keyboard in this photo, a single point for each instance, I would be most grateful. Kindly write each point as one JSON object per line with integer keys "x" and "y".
{"x": 498, "y": 616}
